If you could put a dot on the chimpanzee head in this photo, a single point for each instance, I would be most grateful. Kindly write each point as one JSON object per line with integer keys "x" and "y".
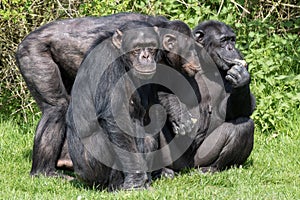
{"x": 179, "y": 46}
{"x": 138, "y": 43}
{"x": 219, "y": 41}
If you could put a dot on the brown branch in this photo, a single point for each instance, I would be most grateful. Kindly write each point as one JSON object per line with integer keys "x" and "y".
{"x": 239, "y": 5}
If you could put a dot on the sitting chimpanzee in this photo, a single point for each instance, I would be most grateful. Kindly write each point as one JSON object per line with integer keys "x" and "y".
{"x": 225, "y": 131}
{"x": 105, "y": 118}
{"x": 49, "y": 59}
{"x": 231, "y": 142}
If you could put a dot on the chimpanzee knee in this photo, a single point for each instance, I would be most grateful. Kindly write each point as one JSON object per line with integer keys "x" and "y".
{"x": 230, "y": 144}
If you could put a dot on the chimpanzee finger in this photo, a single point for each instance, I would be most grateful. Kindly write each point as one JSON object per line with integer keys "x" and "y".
{"x": 189, "y": 126}
{"x": 238, "y": 68}
{"x": 234, "y": 73}
{"x": 244, "y": 76}
{"x": 231, "y": 79}
{"x": 175, "y": 128}
{"x": 181, "y": 129}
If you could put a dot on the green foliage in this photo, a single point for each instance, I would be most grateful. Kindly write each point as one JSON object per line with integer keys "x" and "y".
{"x": 275, "y": 68}
{"x": 268, "y": 35}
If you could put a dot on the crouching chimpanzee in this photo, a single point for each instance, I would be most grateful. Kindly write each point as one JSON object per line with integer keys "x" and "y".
{"x": 105, "y": 132}
{"x": 49, "y": 59}
{"x": 225, "y": 134}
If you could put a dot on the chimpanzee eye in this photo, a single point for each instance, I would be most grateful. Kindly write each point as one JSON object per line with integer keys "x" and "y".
{"x": 152, "y": 50}
{"x": 223, "y": 42}
{"x": 233, "y": 39}
{"x": 136, "y": 51}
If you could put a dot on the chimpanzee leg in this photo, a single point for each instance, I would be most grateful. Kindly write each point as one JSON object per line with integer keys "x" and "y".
{"x": 86, "y": 166}
{"x": 97, "y": 160}
{"x": 229, "y": 144}
{"x": 64, "y": 161}
{"x": 44, "y": 81}
{"x": 48, "y": 141}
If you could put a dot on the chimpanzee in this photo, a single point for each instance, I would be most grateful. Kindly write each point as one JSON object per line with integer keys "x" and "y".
{"x": 107, "y": 109}
{"x": 231, "y": 142}
{"x": 49, "y": 59}
{"x": 225, "y": 134}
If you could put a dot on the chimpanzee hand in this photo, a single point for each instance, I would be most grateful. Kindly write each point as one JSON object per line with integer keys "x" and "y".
{"x": 238, "y": 76}
{"x": 178, "y": 114}
{"x": 181, "y": 119}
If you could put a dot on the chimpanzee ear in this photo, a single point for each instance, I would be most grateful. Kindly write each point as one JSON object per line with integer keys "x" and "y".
{"x": 199, "y": 35}
{"x": 117, "y": 38}
{"x": 169, "y": 42}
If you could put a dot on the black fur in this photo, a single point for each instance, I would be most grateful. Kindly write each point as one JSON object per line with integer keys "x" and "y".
{"x": 49, "y": 59}
{"x": 95, "y": 139}
{"x": 226, "y": 103}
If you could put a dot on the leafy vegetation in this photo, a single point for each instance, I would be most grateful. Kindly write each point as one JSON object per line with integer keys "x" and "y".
{"x": 268, "y": 35}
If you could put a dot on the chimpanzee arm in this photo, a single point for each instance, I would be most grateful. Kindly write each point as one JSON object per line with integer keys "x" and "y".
{"x": 241, "y": 102}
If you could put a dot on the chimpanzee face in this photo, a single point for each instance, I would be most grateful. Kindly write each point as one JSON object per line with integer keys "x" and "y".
{"x": 189, "y": 57}
{"x": 219, "y": 41}
{"x": 181, "y": 52}
{"x": 140, "y": 48}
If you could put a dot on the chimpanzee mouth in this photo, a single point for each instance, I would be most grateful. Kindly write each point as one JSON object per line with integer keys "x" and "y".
{"x": 145, "y": 69}
{"x": 221, "y": 62}
{"x": 191, "y": 69}
{"x": 231, "y": 62}
{"x": 144, "y": 74}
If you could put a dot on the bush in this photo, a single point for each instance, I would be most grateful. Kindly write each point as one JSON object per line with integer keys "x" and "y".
{"x": 267, "y": 35}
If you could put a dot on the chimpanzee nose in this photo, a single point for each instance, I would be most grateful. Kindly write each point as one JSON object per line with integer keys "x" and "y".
{"x": 229, "y": 47}
{"x": 145, "y": 55}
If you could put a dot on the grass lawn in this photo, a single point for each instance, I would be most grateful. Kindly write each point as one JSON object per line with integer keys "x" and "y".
{"x": 271, "y": 172}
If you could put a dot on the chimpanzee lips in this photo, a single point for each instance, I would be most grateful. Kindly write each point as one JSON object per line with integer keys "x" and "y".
{"x": 235, "y": 61}
{"x": 141, "y": 73}
{"x": 191, "y": 69}
{"x": 145, "y": 71}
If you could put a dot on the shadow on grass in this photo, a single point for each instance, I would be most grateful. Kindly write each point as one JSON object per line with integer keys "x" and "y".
{"x": 249, "y": 163}
{"x": 27, "y": 155}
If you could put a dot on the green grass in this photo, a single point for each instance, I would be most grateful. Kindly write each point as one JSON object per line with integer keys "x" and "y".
{"x": 271, "y": 172}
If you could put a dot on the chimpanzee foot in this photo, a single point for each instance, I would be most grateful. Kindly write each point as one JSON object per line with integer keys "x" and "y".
{"x": 135, "y": 181}
{"x": 167, "y": 173}
{"x": 208, "y": 170}
{"x": 53, "y": 174}
{"x": 164, "y": 172}
{"x": 45, "y": 172}
{"x": 65, "y": 164}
